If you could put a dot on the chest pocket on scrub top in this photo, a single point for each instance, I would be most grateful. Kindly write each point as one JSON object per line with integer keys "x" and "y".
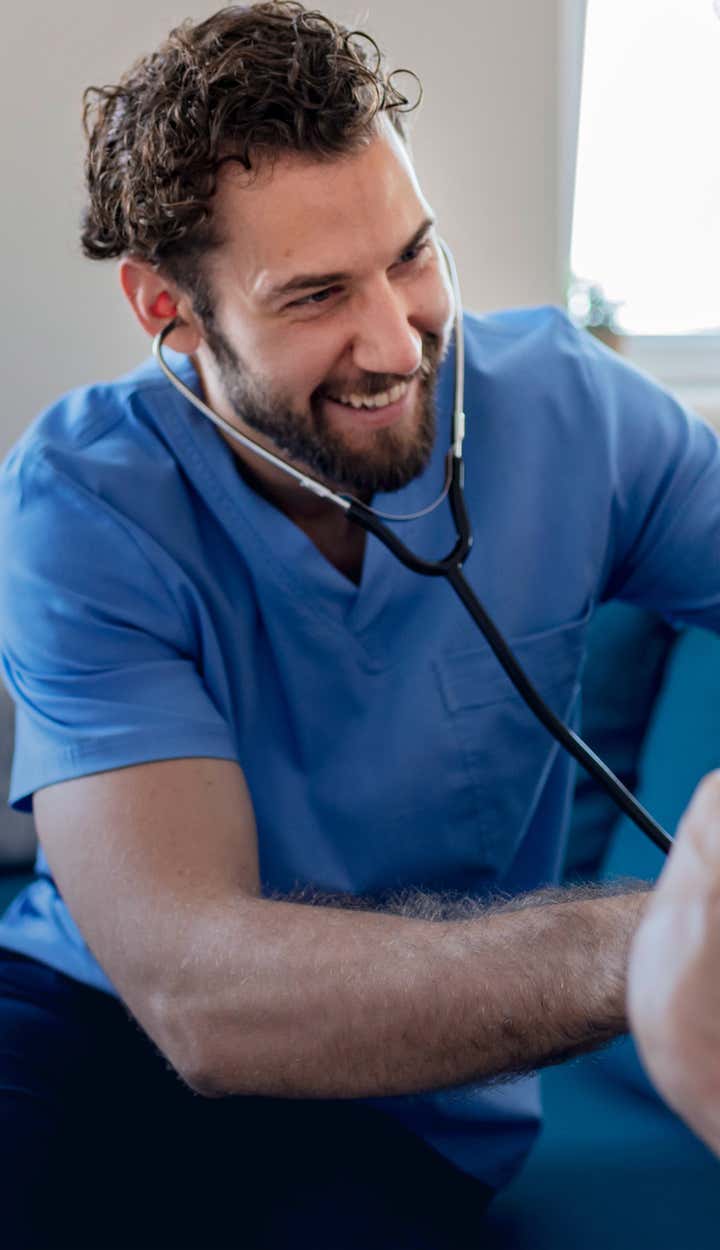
{"x": 507, "y": 752}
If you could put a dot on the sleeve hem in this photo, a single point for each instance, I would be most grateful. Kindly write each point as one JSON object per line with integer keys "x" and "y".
{"x": 84, "y": 759}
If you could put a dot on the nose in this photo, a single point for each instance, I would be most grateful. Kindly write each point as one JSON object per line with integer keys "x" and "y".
{"x": 385, "y": 340}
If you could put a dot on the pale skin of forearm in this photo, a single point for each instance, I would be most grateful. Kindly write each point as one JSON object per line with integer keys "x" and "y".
{"x": 158, "y": 864}
{"x": 300, "y": 1001}
{"x": 674, "y": 981}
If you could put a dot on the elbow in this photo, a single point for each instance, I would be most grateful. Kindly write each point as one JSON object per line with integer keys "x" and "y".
{"x": 243, "y": 1075}
{"x": 206, "y": 1083}
{"x": 214, "y": 1059}
{"x": 183, "y": 1038}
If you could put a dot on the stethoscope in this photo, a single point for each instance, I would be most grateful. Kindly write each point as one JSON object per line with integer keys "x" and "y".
{"x": 450, "y": 568}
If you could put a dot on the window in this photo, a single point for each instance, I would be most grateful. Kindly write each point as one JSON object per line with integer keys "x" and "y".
{"x": 646, "y": 223}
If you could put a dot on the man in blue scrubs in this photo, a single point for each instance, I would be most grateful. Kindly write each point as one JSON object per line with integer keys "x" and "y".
{"x": 278, "y": 779}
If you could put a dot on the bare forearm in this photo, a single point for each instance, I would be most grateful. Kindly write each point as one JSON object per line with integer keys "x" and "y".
{"x": 277, "y": 998}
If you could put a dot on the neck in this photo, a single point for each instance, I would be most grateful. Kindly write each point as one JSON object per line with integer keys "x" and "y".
{"x": 341, "y": 541}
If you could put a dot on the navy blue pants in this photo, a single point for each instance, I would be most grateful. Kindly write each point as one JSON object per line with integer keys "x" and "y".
{"x": 103, "y": 1146}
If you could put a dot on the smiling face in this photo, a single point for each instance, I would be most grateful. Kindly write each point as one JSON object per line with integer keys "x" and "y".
{"x": 327, "y": 314}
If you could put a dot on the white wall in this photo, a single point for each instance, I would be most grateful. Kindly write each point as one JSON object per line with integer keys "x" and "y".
{"x": 490, "y": 145}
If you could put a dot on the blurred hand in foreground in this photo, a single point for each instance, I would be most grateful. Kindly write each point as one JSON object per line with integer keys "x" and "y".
{"x": 674, "y": 974}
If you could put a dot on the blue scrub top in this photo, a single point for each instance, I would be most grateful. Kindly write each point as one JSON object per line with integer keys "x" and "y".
{"x": 152, "y": 606}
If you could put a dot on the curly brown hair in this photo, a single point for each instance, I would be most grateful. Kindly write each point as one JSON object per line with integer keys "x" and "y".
{"x": 245, "y": 85}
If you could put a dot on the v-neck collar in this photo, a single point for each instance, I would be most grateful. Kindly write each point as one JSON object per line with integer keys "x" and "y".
{"x": 291, "y": 556}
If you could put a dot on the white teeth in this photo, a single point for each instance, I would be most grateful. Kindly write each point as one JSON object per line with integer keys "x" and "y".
{"x": 374, "y": 401}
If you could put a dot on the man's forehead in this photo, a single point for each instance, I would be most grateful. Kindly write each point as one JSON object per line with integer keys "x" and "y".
{"x": 309, "y": 215}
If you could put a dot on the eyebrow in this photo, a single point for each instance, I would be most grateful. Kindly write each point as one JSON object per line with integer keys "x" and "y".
{"x": 306, "y": 281}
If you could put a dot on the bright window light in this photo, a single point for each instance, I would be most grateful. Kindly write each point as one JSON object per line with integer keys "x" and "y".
{"x": 647, "y": 201}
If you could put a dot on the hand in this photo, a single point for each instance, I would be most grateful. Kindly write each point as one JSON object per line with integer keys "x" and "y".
{"x": 674, "y": 975}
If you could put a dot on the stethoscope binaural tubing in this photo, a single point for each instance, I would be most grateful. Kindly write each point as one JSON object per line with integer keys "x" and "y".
{"x": 450, "y": 568}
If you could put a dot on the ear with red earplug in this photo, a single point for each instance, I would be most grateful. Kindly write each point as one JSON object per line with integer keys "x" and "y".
{"x": 163, "y": 306}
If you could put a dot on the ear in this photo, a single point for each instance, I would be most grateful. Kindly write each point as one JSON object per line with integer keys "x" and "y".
{"x": 156, "y": 300}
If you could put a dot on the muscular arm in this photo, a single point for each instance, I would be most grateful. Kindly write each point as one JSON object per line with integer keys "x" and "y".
{"x": 674, "y": 982}
{"x": 158, "y": 864}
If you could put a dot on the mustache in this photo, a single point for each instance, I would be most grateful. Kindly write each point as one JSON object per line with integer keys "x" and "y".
{"x": 377, "y": 383}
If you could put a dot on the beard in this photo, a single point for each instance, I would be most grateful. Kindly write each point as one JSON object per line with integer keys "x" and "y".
{"x": 389, "y": 459}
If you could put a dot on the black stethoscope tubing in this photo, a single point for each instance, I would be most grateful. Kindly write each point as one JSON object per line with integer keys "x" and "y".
{"x": 451, "y": 569}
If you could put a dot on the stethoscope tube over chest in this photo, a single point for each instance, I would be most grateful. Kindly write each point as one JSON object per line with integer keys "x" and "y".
{"x": 451, "y": 567}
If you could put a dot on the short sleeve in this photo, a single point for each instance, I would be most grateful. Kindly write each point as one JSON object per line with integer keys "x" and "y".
{"x": 664, "y": 465}
{"x": 96, "y": 640}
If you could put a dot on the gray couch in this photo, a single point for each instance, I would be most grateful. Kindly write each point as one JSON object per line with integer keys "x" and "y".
{"x": 17, "y": 832}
